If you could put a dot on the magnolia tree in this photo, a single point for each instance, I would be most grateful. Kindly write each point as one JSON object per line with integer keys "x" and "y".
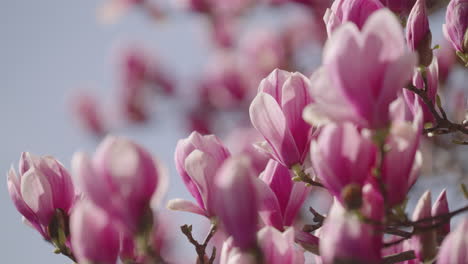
{"x": 352, "y": 131}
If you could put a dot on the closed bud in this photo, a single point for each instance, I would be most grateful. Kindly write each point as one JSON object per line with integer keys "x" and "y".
{"x": 456, "y": 27}
{"x": 236, "y": 201}
{"x": 418, "y": 33}
{"x": 440, "y": 207}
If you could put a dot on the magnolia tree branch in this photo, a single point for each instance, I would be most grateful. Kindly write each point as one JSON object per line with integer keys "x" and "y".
{"x": 201, "y": 248}
{"x": 399, "y": 257}
{"x": 442, "y": 124}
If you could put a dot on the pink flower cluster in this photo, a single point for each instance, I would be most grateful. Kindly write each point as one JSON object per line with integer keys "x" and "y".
{"x": 353, "y": 129}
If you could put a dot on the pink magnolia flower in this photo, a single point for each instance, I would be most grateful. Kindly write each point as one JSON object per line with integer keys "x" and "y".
{"x": 43, "y": 186}
{"x": 413, "y": 101}
{"x": 94, "y": 236}
{"x": 401, "y": 7}
{"x": 440, "y": 207}
{"x": 424, "y": 243}
{"x": 241, "y": 141}
{"x": 286, "y": 196}
{"x": 121, "y": 178}
{"x": 355, "y": 11}
{"x": 200, "y": 6}
{"x": 454, "y": 249}
{"x": 446, "y": 59}
{"x": 342, "y": 156}
{"x": 345, "y": 239}
{"x": 224, "y": 84}
{"x": 418, "y": 33}
{"x": 262, "y": 51}
{"x": 239, "y": 216}
{"x": 278, "y": 247}
{"x": 403, "y": 142}
{"x": 234, "y": 255}
{"x": 456, "y": 27}
{"x": 276, "y": 112}
{"x": 198, "y": 158}
{"x": 362, "y": 73}
{"x": 87, "y": 111}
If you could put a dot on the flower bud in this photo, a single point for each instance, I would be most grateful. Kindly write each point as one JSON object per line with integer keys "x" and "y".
{"x": 355, "y": 11}
{"x": 343, "y": 157}
{"x": 43, "y": 187}
{"x": 121, "y": 179}
{"x": 418, "y": 33}
{"x": 456, "y": 27}
{"x": 440, "y": 207}
{"x": 236, "y": 201}
{"x": 276, "y": 112}
{"x": 402, "y": 143}
{"x": 345, "y": 239}
{"x": 95, "y": 238}
{"x": 424, "y": 243}
{"x": 455, "y": 246}
{"x": 197, "y": 160}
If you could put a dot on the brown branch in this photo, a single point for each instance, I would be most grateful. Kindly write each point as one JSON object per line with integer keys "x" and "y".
{"x": 442, "y": 124}
{"x": 399, "y": 257}
{"x": 300, "y": 175}
{"x": 201, "y": 248}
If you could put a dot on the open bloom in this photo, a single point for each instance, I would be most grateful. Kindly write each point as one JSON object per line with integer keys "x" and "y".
{"x": 278, "y": 247}
{"x": 121, "y": 178}
{"x": 285, "y": 198}
{"x": 276, "y": 112}
{"x": 236, "y": 201}
{"x": 197, "y": 160}
{"x": 356, "y": 11}
{"x": 342, "y": 156}
{"x": 418, "y": 33}
{"x": 43, "y": 186}
{"x": 95, "y": 238}
{"x": 454, "y": 249}
{"x": 362, "y": 73}
{"x": 456, "y": 26}
{"x": 345, "y": 239}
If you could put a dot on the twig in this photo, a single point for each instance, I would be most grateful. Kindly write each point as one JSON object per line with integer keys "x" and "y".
{"x": 399, "y": 257}
{"x": 201, "y": 248}
{"x": 300, "y": 175}
{"x": 443, "y": 124}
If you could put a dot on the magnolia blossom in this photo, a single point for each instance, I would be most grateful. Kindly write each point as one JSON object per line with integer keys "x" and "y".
{"x": 343, "y": 156}
{"x": 282, "y": 199}
{"x": 455, "y": 245}
{"x": 424, "y": 243}
{"x": 456, "y": 26}
{"x": 401, "y": 7}
{"x": 87, "y": 111}
{"x": 403, "y": 142}
{"x": 356, "y": 11}
{"x": 418, "y": 33}
{"x": 95, "y": 238}
{"x": 345, "y": 239}
{"x": 440, "y": 207}
{"x": 197, "y": 160}
{"x": 121, "y": 178}
{"x": 42, "y": 187}
{"x": 238, "y": 216}
{"x": 276, "y": 112}
{"x": 362, "y": 73}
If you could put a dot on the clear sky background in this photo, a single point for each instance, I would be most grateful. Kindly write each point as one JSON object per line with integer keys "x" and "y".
{"x": 50, "y": 48}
